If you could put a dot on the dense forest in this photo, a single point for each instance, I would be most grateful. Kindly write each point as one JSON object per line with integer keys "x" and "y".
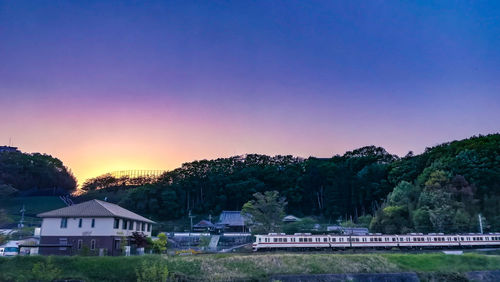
{"x": 441, "y": 190}
{"x": 34, "y": 174}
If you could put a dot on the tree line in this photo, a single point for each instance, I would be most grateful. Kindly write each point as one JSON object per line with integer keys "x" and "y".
{"x": 441, "y": 190}
{"x": 34, "y": 174}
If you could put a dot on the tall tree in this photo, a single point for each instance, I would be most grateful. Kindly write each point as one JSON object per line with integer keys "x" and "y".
{"x": 264, "y": 214}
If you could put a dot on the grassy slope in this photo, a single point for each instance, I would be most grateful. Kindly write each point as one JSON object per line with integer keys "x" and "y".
{"x": 33, "y": 206}
{"x": 233, "y": 266}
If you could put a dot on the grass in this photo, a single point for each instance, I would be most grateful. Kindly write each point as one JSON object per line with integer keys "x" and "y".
{"x": 249, "y": 267}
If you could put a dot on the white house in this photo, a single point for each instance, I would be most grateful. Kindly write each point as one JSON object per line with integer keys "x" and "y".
{"x": 91, "y": 225}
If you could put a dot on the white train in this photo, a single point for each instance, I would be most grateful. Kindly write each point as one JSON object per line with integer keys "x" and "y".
{"x": 306, "y": 241}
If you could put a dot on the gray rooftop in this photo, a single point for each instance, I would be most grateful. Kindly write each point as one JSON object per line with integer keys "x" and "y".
{"x": 231, "y": 218}
{"x": 94, "y": 208}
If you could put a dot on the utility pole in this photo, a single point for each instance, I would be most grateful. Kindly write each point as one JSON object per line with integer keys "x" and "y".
{"x": 480, "y": 224}
{"x": 191, "y": 218}
{"x": 21, "y": 222}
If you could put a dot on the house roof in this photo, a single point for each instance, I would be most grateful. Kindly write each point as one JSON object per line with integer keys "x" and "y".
{"x": 291, "y": 218}
{"x": 231, "y": 218}
{"x": 94, "y": 208}
{"x": 204, "y": 224}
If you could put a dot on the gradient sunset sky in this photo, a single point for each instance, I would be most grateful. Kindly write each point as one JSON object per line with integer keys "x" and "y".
{"x": 112, "y": 85}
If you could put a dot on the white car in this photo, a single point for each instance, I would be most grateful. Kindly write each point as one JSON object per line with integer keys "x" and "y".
{"x": 10, "y": 249}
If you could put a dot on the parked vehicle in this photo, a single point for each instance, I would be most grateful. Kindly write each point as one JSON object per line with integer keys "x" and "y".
{"x": 10, "y": 249}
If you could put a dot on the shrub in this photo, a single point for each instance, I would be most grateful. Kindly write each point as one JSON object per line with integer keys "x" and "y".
{"x": 151, "y": 271}
{"x": 45, "y": 271}
{"x": 160, "y": 245}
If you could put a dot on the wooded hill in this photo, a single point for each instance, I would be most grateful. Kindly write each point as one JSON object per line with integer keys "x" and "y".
{"x": 440, "y": 190}
{"x": 34, "y": 174}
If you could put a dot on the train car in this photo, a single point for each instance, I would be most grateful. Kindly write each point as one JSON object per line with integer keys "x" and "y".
{"x": 479, "y": 240}
{"x": 307, "y": 241}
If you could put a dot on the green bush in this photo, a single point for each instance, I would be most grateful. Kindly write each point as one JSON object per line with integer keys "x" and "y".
{"x": 151, "y": 272}
{"x": 45, "y": 271}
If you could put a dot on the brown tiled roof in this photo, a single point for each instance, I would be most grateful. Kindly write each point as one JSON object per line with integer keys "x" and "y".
{"x": 94, "y": 208}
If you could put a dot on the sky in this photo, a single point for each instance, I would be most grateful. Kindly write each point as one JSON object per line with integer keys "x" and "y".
{"x": 116, "y": 85}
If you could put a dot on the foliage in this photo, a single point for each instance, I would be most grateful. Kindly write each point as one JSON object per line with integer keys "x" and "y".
{"x": 204, "y": 241}
{"x": 4, "y": 218}
{"x": 35, "y": 174}
{"x": 108, "y": 181}
{"x": 3, "y": 239}
{"x": 45, "y": 271}
{"x": 160, "y": 245}
{"x": 231, "y": 267}
{"x": 139, "y": 239}
{"x": 302, "y": 226}
{"x": 265, "y": 212}
{"x": 151, "y": 272}
{"x": 442, "y": 189}
{"x": 7, "y": 190}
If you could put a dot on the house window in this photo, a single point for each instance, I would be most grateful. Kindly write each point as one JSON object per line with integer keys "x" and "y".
{"x": 80, "y": 221}
{"x": 149, "y": 227}
{"x": 131, "y": 225}
{"x": 143, "y": 226}
{"x": 137, "y": 226}
{"x": 93, "y": 223}
{"x": 117, "y": 244}
{"x": 92, "y": 244}
{"x": 80, "y": 242}
{"x": 64, "y": 222}
{"x": 124, "y": 224}
{"x": 117, "y": 223}
{"x": 63, "y": 242}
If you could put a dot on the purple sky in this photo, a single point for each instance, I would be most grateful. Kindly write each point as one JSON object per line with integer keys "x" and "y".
{"x": 111, "y": 85}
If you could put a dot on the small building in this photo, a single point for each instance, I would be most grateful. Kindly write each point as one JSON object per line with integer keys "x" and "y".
{"x": 8, "y": 149}
{"x": 348, "y": 230}
{"x": 203, "y": 226}
{"x": 231, "y": 221}
{"x": 290, "y": 218}
{"x": 95, "y": 225}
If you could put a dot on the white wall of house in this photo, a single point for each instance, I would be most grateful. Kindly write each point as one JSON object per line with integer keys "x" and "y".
{"x": 104, "y": 226}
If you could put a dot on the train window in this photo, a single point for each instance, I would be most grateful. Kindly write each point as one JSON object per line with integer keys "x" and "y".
{"x": 333, "y": 239}
{"x": 325, "y": 239}
{"x": 394, "y": 239}
{"x": 259, "y": 240}
{"x": 275, "y": 240}
{"x": 300, "y": 239}
{"x": 310, "y": 239}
